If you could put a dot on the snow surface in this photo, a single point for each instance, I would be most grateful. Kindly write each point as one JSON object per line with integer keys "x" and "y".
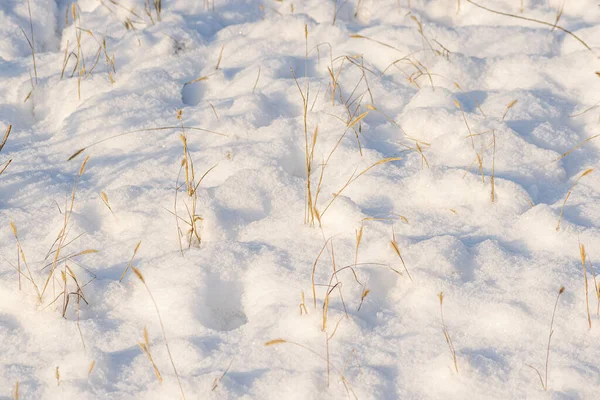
{"x": 500, "y": 264}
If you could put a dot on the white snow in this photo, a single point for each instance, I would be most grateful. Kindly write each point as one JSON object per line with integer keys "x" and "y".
{"x": 499, "y": 264}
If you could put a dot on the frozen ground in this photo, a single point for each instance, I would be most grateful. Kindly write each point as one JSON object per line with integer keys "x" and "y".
{"x": 500, "y": 264}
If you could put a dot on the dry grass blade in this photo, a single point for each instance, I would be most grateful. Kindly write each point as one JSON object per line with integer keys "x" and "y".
{"x": 200, "y": 79}
{"x": 91, "y": 368}
{"x": 544, "y": 381}
{"x": 363, "y": 296}
{"x": 335, "y": 275}
{"x": 324, "y": 358}
{"x": 357, "y": 119}
{"x": 583, "y": 255}
{"x": 562, "y": 209}
{"x": 314, "y": 270}
{"x": 577, "y": 146}
{"x": 6, "y": 134}
{"x": 492, "y": 181}
{"x": 31, "y": 42}
{"x": 356, "y": 36}
{"x": 214, "y": 110}
{"x": 220, "y": 57}
{"x": 82, "y": 168}
{"x": 326, "y": 306}
{"x": 57, "y": 376}
{"x": 130, "y": 261}
{"x": 63, "y": 234}
{"x": 559, "y": 14}
{"x": 508, "y": 107}
{"x": 586, "y": 110}
{"x": 21, "y": 255}
{"x": 145, "y": 346}
{"x": 16, "y": 391}
{"x": 553, "y": 26}
{"x": 596, "y": 288}
{"x": 220, "y": 378}
{"x": 420, "y": 29}
{"x": 303, "y": 309}
{"x": 191, "y": 186}
{"x": 162, "y": 327}
{"x": 354, "y": 177}
{"x": 397, "y": 251}
{"x": 327, "y": 339}
{"x": 445, "y": 331}
{"x": 459, "y": 106}
{"x": 192, "y": 128}
{"x": 78, "y": 152}
{"x": 104, "y": 198}
{"x": 275, "y": 341}
{"x": 359, "y": 235}
{"x": 4, "y": 166}
{"x": 256, "y": 83}
{"x": 81, "y": 253}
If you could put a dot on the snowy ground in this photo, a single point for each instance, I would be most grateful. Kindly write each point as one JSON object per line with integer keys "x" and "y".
{"x": 499, "y": 263}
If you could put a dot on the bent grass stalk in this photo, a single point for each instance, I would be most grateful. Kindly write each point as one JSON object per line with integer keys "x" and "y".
{"x": 544, "y": 381}
{"x": 162, "y": 327}
{"x": 164, "y": 128}
{"x": 577, "y": 146}
{"x": 218, "y": 380}
{"x": 562, "y": 209}
{"x": 551, "y": 25}
{"x": 354, "y": 177}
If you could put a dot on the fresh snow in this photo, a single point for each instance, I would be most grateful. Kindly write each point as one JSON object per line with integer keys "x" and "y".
{"x": 499, "y": 263}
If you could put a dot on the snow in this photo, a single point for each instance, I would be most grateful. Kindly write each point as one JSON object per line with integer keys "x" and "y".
{"x": 499, "y": 263}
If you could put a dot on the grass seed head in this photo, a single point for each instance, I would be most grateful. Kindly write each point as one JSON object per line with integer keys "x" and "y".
{"x": 83, "y": 164}
{"x": 275, "y": 341}
{"x": 138, "y": 274}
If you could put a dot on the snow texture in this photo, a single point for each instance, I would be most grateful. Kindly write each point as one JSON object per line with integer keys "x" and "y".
{"x": 426, "y": 74}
